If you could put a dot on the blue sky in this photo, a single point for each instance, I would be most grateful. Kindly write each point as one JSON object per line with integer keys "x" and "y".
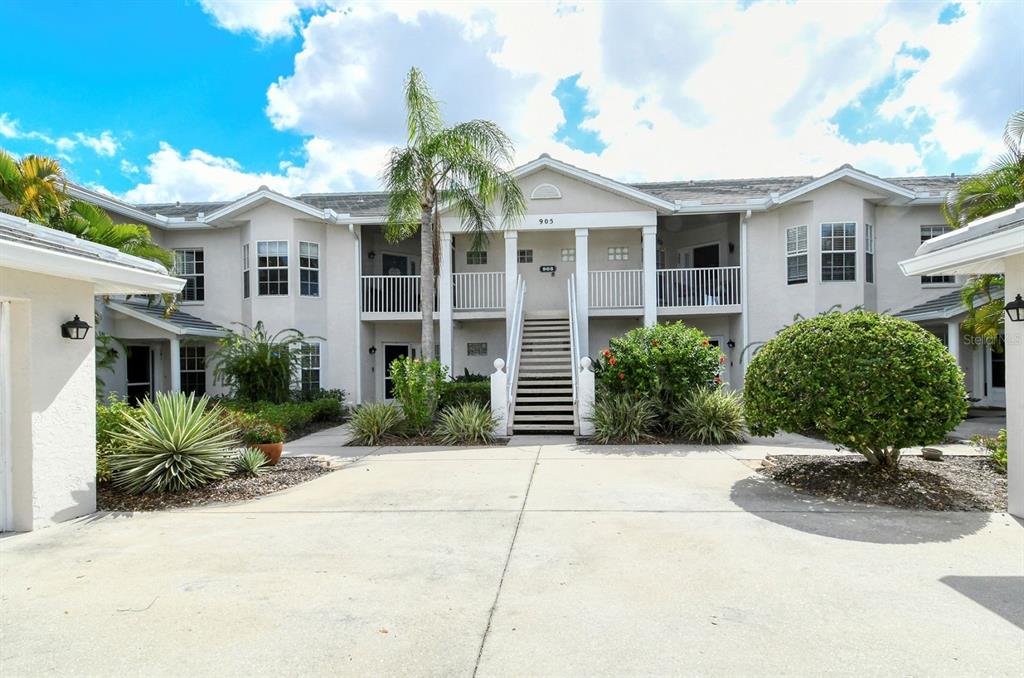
{"x": 209, "y": 99}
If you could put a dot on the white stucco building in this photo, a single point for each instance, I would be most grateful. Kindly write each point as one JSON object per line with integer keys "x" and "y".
{"x": 47, "y": 380}
{"x": 737, "y": 258}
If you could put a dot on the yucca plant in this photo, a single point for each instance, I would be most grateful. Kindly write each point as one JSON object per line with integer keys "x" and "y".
{"x": 710, "y": 416}
{"x": 372, "y": 421}
{"x": 466, "y": 423}
{"x": 172, "y": 445}
{"x": 623, "y": 417}
{"x": 251, "y": 462}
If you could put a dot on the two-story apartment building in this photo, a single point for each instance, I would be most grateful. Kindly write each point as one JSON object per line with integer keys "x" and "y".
{"x": 737, "y": 258}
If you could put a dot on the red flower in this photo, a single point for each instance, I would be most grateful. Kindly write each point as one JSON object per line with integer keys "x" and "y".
{"x": 606, "y": 353}
{"x": 718, "y": 380}
{"x": 612, "y": 361}
{"x": 654, "y": 342}
{"x": 721, "y": 360}
{"x": 705, "y": 342}
{"x": 622, "y": 375}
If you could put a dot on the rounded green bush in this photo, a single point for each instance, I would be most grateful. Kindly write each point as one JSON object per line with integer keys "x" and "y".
{"x": 662, "y": 363}
{"x": 868, "y": 382}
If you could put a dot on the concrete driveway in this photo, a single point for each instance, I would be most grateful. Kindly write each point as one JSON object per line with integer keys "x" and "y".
{"x": 528, "y": 560}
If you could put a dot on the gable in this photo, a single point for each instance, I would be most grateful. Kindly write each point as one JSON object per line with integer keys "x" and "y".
{"x": 575, "y": 195}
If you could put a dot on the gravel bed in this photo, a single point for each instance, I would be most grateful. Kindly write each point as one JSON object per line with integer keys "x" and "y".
{"x": 960, "y": 483}
{"x": 289, "y": 471}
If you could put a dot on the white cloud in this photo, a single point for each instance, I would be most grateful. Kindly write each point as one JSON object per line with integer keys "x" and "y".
{"x": 105, "y": 144}
{"x": 128, "y": 167}
{"x": 676, "y": 91}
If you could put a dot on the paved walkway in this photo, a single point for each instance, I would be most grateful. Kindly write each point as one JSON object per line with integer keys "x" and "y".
{"x": 527, "y": 560}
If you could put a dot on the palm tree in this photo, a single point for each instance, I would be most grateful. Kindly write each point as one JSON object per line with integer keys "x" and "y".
{"x": 94, "y": 224}
{"x": 460, "y": 166}
{"x": 997, "y": 189}
{"x": 33, "y": 184}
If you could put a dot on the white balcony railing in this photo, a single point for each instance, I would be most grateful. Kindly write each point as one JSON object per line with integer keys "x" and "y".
{"x": 699, "y": 286}
{"x": 392, "y": 294}
{"x": 616, "y": 289}
{"x": 478, "y": 291}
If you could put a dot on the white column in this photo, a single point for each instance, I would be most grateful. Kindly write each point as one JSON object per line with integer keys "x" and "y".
{"x": 444, "y": 301}
{"x": 175, "y": 365}
{"x": 499, "y": 396}
{"x": 1014, "y": 347}
{"x": 585, "y": 403}
{"x": 583, "y": 288}
{"x": 744, "y": 357}
{"x": 511, "y": 275}
{"x": 650, "y": 261}
{"x": 953, "y": 339}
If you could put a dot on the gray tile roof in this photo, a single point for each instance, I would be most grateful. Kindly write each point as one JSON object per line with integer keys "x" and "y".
{"x": 188, "y": 323}
{"x": 15, "y": 229}
{"x": 706, "y": 191}
{"x": 943, "y": 307}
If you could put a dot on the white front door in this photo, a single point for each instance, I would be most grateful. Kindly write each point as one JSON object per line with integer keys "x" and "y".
{"x": 995, "y": 374}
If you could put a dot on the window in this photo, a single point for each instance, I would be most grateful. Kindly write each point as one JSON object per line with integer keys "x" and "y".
{"x": 245, "y": 271}
{"x": 475, "y": 258}
{"x": 309, "y": 367}
{"x": 618, "y": 254}
{"x": 476, "y": 348}
{"x": 927, "y": 233}
{"x": 272, "y": 267}
{"x": 568, "y": 254}
{"x": 869, "y": 253}
{"x": 796, "y": 255}
{"x": 193, "y": 369}
{"x": 525, "y": 256}
{"x": 839, "y": 252}
{"x": 309, "y": 269}
{"x": 188, "y": 264}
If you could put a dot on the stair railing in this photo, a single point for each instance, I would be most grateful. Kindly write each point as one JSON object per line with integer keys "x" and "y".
{"x": 515, "y": 338}
{"x": 574, "y": 349}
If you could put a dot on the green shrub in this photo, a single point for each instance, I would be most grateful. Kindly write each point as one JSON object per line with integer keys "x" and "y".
{"x": 466, "y": 423}
{"x": 323, "y": 396}
{"x": 292, "y": 417}
{"x": 995, "y": 446}
{"x": 623, "y": 418}
{"x": 417, "y": 386}
{"x": 660, "y": 363}
{"x": 463, "y": 391}
{"x": 254, "y": 430}
{"x": 110, "y": 418}
{"x": 257, "y": 365}
{"x": 176, "y": 444}
{"x": 710, "y": 416}
{"x": 868, "y": 382}
{"x": 372, "y": 421}
{"x": 251, "y": 462}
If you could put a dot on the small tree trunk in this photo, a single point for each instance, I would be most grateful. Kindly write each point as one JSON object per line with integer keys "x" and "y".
{"x": 427, "y": 282}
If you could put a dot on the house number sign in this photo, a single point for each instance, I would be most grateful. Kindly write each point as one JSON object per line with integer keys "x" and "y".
{"x": 545, "y": 220}
{"x": 549, "y": 269}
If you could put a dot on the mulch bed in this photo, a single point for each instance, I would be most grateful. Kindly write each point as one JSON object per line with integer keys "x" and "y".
{"x": 289, "y": 471}
{"x": 958, "y": 483}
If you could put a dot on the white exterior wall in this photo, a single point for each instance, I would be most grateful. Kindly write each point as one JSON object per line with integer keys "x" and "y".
{"x": 1014, "y": 268}
{"x": 898, "y": 237}
{"x": 53, "y": 389}
{"x": 546, "y": 293}
{"x": 490, "y": 331}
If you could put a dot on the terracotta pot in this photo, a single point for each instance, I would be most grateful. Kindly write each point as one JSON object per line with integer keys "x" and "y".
{"x": 272, "y": 451}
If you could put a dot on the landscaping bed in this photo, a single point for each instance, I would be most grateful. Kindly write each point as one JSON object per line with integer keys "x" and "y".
{"x": 960, "y": 483}
{"x": 287, "y": 472}
{"x": 411, "y": 440}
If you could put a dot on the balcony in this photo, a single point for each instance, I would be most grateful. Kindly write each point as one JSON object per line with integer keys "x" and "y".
{"x": 681, "y": 291}
{"x": 397, "y": 297}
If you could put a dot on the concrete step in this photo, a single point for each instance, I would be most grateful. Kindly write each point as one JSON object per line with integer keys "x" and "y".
{"x": 541, "y": 428}
{"x": 541, "y": 418}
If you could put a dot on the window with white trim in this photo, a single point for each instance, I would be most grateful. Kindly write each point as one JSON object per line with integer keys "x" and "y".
{"x": 272, "y": 268}
{"x": 869, "y": 253}
{"x": 189, "y": 264}
{"x": 618, "y": 254}
{"x": 568, "y": 254}
{"x": 309, "y": 367}
{"x": 245, "y": 271}
{"x": 192, "y": 368}
{"x": 796, "y": 255}
{"x": 927, "y": 233}
{"x": 309, "y": 269}
{"x": 525, "y": 256}
{"x": 839, "y": 252}
{"x": 476, "y": 257}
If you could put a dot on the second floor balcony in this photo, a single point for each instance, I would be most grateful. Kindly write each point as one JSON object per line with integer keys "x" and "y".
{"x": 396, "y": 297}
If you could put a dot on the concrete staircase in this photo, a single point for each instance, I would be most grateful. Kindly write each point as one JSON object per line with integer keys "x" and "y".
{"x": 543, "y": 398}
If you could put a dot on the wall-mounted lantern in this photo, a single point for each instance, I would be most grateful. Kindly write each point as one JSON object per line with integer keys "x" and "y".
{"x": 372, "y": 255}
{"x": 1015, "y": 310}
{"x": 75, "y": 329}
{"x": 373, "y": 350}
{"x": 731, "y": 344}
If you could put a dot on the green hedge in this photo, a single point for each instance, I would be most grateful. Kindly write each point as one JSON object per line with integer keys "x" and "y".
{"x": 462, "y": 391}
{"x": 294, "y": 416}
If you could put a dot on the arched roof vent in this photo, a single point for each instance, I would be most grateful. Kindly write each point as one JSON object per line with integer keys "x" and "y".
{"x": 546, "y": 192}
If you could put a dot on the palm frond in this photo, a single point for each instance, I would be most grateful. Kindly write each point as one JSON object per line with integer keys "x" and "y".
{"x": 423, "y": 111}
